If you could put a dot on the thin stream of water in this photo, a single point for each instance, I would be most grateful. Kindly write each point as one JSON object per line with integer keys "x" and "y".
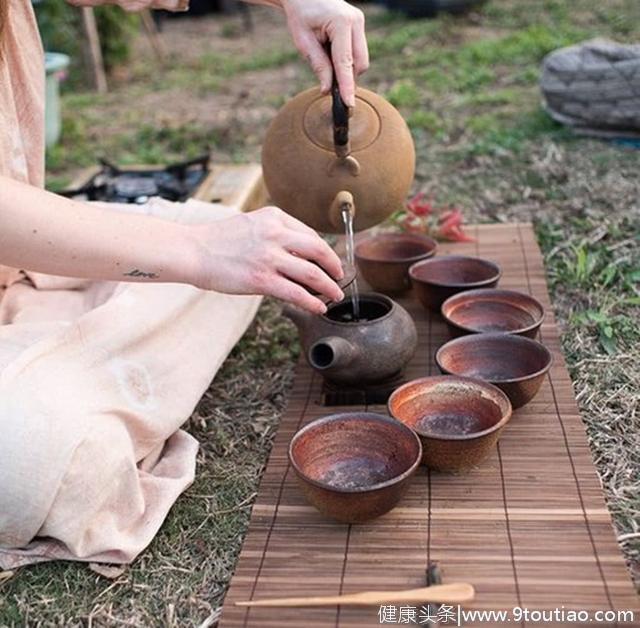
{"x": 347, "y": 218}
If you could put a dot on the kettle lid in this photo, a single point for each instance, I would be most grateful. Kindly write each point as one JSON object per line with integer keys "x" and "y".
{"x": 318, "y": 123}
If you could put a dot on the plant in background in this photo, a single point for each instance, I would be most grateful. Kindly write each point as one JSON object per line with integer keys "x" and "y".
{"x": 61, "y": 31}
{"x": 421, "y": 215}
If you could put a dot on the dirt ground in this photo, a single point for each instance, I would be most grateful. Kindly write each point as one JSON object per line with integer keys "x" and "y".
{"x": 468, "y": 89}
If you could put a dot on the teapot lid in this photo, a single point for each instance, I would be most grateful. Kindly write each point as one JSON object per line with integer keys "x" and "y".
{"x": 318, "y": 123}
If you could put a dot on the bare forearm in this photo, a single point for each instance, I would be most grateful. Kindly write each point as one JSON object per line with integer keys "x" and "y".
{"x": 44, "y": 232}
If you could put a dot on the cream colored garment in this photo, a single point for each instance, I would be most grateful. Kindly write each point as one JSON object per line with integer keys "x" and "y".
{"x": 96, "y": 378}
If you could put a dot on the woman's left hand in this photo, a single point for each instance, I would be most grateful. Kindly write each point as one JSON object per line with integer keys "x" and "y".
{"x": 313, "y": 23}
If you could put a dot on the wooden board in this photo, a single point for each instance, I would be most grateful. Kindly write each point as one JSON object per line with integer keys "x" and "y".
{"x": 528, "y": 528}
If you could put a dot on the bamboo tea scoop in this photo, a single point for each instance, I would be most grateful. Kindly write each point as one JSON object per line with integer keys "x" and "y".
{"x": 454, "y": 593}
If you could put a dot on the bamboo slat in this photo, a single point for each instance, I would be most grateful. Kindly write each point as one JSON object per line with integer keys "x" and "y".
{"x": 528, "y": 528}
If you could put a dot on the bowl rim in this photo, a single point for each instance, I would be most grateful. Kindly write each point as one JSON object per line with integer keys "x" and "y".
{"x": 339, "y": 416}
{"x": 388, "y": 235}
{"x": 504, "y": 337}
{"x": 494, "y": 291}
{"x": 480, "y": 383}
{"x": 449, "y": 284}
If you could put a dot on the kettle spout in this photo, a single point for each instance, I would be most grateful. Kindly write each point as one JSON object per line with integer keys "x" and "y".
{"x": 331, "y": 352}
{"x": 342, "y": 204}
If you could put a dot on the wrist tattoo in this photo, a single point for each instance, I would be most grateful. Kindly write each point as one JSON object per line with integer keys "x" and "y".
{"x": 141, "y": 274}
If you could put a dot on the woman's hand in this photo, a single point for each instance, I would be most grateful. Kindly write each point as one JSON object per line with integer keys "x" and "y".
{"x": 267, "y": 252}
{"x": 315, "y": 22}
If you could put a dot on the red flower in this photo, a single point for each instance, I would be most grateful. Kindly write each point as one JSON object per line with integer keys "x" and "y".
{"x": 451, "y": 226}
{"x": 418, "y": 206}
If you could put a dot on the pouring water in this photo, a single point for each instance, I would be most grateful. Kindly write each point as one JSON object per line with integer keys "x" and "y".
{"x": 347, "y": 218}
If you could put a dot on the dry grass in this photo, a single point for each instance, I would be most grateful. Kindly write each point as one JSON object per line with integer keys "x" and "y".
{"x": 468, "y": 89}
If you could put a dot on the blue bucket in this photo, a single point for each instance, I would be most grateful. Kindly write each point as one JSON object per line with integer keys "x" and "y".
{"x": 55, "y": 65}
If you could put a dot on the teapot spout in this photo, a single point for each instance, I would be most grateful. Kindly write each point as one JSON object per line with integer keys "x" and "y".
{"x": 331, "y": 353}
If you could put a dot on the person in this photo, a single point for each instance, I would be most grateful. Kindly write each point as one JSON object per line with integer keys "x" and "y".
{"x": 114, "y": 319}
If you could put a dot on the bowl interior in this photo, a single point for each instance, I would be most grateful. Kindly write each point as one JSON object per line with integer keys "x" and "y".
{"x": 493, "y": 310}
{"x": 494, "y": 357}
{"x": 354, "y": 452}
{"x": 455, "y": 271}
{"x": 395, "y": 247}
{"x": 449, "y": 407}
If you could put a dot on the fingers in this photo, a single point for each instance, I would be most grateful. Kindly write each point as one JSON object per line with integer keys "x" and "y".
{"x": 313, "y": 247}
{"x": 307, "y": 274}
{"x": 305, "y": 242}
{"x": 308, "y": 44}
{"x": 342, "y": 53}
{"x": 360, "y": 46}
{"x": 286, "y": 290}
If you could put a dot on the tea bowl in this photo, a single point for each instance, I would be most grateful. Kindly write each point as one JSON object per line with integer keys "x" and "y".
{"x": 354, "y": 466}
{"x": 515, "y": 364}
{"x": 435, "y": 280}
{"x": 493, "y": 310}
{"x": 384, "y": 259}
{"x": 458, "y": 419}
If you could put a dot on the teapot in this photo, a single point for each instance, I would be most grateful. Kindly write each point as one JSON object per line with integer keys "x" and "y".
{"x": 321, "y": 159}
{"x": 367, "y": 351}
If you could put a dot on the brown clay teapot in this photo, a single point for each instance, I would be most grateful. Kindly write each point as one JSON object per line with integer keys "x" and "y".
{"x": 319, "y": 159}
{"x": 367, "y": 351}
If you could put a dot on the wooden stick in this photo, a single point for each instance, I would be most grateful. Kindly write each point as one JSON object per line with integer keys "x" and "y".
{"x": 154, "y": 37}
{"x": 455, "y": 593}
{"x": 95, "y": 52}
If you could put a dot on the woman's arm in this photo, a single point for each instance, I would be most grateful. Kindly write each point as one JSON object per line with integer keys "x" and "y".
{"x": 315, "y": 22}
{"x": 264, "y": 252}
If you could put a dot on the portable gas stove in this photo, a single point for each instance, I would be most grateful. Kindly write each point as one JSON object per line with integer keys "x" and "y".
{"x": 112, "y": 184}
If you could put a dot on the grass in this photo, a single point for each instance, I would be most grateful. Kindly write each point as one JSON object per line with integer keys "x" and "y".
{"x": 468, "y": 88}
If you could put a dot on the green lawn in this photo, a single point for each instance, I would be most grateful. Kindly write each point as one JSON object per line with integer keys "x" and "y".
{"x": 468, "y": 88}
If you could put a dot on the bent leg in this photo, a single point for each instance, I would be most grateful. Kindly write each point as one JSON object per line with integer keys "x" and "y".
{"x": 91, "y": 455}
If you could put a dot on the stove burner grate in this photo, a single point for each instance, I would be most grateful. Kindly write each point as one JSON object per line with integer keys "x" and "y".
{"x": 113, "y": 184}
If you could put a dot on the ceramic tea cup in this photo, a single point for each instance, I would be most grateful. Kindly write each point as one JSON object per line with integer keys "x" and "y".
{"x": 384, "y": 259}
{"x": 435, "y": 280}
{"x": 458, "y": 419}
{"x": 515, "y": 364}
{"x": 493, "y": 310}
{"x": 354, "y": 466}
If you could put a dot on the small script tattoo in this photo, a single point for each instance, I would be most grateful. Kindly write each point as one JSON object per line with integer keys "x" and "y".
{"x": 141, "y": 274}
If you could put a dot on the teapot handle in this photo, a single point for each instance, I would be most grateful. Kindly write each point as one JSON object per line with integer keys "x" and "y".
{"x": 340, "y": 112}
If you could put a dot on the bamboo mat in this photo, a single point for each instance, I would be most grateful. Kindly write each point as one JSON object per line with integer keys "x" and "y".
{"x": 528, "y": 528}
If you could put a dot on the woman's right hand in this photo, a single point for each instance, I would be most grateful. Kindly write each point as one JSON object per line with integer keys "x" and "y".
{"x": 267, "y": 252}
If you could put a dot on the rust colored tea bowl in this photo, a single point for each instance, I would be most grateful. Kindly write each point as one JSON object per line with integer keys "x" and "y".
{"x": 384, "y": 259}
{"x": 515, "y": 364}
{"x": 458, "y": 419}
{"x": 435, "y": 280}
{"x": 492, "y": 310}
{"x": 354, "y": 466}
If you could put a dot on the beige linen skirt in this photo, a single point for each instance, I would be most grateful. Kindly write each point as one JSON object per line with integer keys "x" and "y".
{"x": 96, "y": 379}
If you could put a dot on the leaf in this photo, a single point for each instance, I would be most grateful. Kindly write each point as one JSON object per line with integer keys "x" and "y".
{"x": 111, "y": 572}
{"x": 608, "y": 275}
{"x": 634, "y": 276}
{"x": 596, "y": 317}
{"x": 608, "y": 343}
